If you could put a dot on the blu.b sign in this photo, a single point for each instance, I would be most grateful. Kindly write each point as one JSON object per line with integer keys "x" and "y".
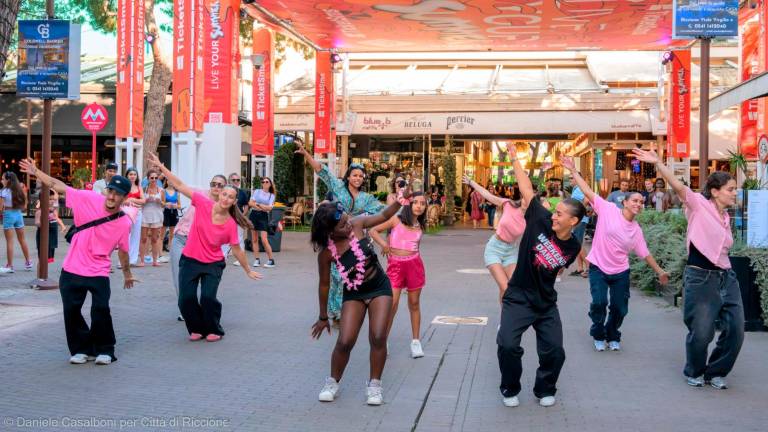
{"x": 705, "y": 19}
{"x": 49, "y": 59}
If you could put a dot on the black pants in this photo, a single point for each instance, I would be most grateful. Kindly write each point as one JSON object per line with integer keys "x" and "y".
{"x": 53, "y": 239}
{"x": 517, "y": 315}
{"x": 100, "y": 338}
{"x": 201, "y": 316}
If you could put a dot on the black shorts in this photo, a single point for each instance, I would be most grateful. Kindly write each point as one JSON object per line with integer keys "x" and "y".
{"x": 378, "y": 285}
{"x": 259, "y": 219}
{"x": 170, "y": 217}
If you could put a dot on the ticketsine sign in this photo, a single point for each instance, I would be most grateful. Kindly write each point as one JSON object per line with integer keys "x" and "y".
{"x": 49, "y": 59}
{"x": 705, "y": 19}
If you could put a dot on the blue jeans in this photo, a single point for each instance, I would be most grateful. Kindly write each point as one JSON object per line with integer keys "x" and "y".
{"x": 491, "y": 215}
{"x": 711, "y": 295}
{"x": 600, "y": 284}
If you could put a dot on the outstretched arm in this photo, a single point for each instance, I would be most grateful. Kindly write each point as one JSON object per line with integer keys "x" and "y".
{"x": 316, "y": 166}
{"x": 367, "y": 221}
{"x": 28, "y": 167}
{"x": 177, "y": 182}
{"x": 523, "y": 182}
{"x": 493, "y": 199}
{"x": 568, "y": 164}
{"x": 650, "y": 156}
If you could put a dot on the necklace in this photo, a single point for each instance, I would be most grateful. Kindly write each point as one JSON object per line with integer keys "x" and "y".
{"x": 359, "y": 267}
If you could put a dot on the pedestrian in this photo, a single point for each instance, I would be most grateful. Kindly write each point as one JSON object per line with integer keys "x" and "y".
{"x": 405, "y": 267}
{"x": 490, "y": 207}
{"x": 617, "y": 197}
{"x": 134, "y": 198}
{"x": 502, "y": 249}
{"x": 616, "y": 235}
{"x": 243, "y": 197}
{"x": 340, "y": 241}
{"x": 397, "y": 184}
{"x": 261, "y": 203}
{"x": 553, "y": 194}
{"x": 103, "y": 223}
{"x": 54, "y": 222}
{"x": 349, "y": 192}
{"x": 202, "y": 261}
{"x": 711, "y": 291}
{"x": 579, "y": 232}
{"x": 170, "y": 214}
{"x": 181, "y": 233}
{"x": 659, "y": 200}
{"x": 477, "y": 208}
{"x": 647, "y": 192}
{"x": 152, "y": 220}
{"x": 13, "y": 201}
{"x": 110, "y": 171}
{"x": 547, "y": 246}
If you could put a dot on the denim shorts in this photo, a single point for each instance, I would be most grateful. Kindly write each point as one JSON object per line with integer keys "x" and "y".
{"x": 500, "y": 252}
{"x": 12, "y": 219}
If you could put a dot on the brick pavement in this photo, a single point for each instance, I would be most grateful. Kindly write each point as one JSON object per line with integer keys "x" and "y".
{"x": 266, "y": 373}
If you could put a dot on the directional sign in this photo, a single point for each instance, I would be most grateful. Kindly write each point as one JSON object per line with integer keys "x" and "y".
{"x": 94, "y": 117}
{"x": 705, "y": 19}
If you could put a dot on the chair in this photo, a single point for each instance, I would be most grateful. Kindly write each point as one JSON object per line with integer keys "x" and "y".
{"x": 295, "y": 214}
{"x": 433, "y": 215}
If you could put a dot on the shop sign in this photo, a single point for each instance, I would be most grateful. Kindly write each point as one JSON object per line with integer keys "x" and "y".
{"x": 294, "y": 122}
{"x": 459, "y": 122}
{"x": 94, "y": 117}
{"x": 188, "y": 73}
{"x": 130, "y": 69}
{"x": 705, "y": 19}
{"x": 750, "y": 67}
{"x": 49, "y": 59}
{"x": 222, "y": 33}
{"x": 263, "y": 130}
{"x": 679, "y": 122}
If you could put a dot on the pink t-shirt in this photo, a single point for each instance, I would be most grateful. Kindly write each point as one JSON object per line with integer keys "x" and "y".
{"x": 206, "y": 238}
{"x": 615, "y": 238}
{"x": 512, "y": 223}
{"x": 708, "y": 229}
{"x": 89, "y": 253}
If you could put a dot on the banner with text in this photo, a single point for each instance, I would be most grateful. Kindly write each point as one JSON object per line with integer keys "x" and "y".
{"x": 324, "y": 98}
{"x": 130, "y": 69}
{"x": 750, "y": 67}
{"x": 263, "y": 127}
{"x": 188, "y": 72}
{"x": 679, "y": 122}
{"x": 49, "y": 59}
{"x": 762, "y": 103}
{"x": 222, "y": 27}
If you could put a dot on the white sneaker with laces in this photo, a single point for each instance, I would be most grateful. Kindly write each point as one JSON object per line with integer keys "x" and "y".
{"x": 164, "y": 259}
{"x": 718, "y": 383}
{"x": 695, "y": 381}
{"x": 599, "y": 345}
{"x": 329, "y": 391}
{"x": 547, "y": 401}
{"x": 511, "y": 401}
{"x": 374, "y": 393}
{"x": 257, "y": 262}
{"x": 614, "y": 346}
{"x": 6, "y": 270}
{"x": 78, "y": 359}
{"x": 236, "y": 263}
{"x": 103, "y": 359}
{"x": 416, "y": 350}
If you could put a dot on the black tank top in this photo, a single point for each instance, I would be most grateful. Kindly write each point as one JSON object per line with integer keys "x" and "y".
{"x": 696, "y": 258}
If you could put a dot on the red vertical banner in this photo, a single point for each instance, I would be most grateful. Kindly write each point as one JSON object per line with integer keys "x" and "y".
{"x": 762, "y": 103}
{"x": 323, "y": 101}
{"x": 679, "y": 120}
{"x": 263, "y": 124}
{"x": 198, "y": 68}
{"x": 221, "y": 27}
{"x": 124, "y": 59}
{"x": 749, "y": 32}
{"x": 137, "y": 73}
{"x": 182, "y": 71}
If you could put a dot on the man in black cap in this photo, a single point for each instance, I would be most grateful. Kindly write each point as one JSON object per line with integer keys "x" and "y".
{"x": 101, "y": 185}
{"x": 101, "y": 226}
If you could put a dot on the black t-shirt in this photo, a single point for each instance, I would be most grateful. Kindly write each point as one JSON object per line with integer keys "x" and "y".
{"x": 541, "y": 256}
{"x": 242, "y": 198}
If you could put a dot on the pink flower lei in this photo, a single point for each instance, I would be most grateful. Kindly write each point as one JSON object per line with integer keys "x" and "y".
{"x": 354, "y": 244}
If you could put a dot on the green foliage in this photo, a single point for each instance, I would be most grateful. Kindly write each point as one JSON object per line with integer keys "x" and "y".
{"x": 665, "y": 234}
{"x": 80, "y": 177}
{"x": 381, "y": 196}
{"x": 289, "y": 172}
{"x": 759, "y": 261}
{"x": 449, "y": 171}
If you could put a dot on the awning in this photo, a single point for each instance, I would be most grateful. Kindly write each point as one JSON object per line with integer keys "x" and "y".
{"x": 751, "y": 89}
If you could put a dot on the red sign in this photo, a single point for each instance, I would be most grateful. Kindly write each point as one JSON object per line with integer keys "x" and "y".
{"x": 263, "y": 124}
{"x": 750, "y": 67}
{"x": 130, "y": 69}
{"x": 324, "y": 96}
{"x": 473, "y": 25}
{"x": 188, "y": 73}
{"x": 94, "y": 117}
{"x": 762, "y": 103}
{"x": 222, "y": 27}
{"x": 679, "y": 121}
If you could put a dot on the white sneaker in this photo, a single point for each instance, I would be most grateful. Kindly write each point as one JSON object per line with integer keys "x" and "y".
{"x": 718, "y": 383}
{"x": 257, "y": 262}
{"x": 511, "y": 401}
{"x": 236, "y": 263}
{"x": 164, "y": 259}
{"x": 547, "y": 401}
{"x": 599, "y": 345}
{"x": 614, "y": 346}
{"x": 329, "y": 391}
{"x": 374, "y": 393}
{"x": 387, "y": 349}
{"x": 6, "y": 270}
{"x": 28, "y": 266}
{"x": 416, "y": 350}
{"x": 558, "y": 279}
{"x": 78, "y": 359}
{"x": 270, "y": 263}
{"x": 103, "y": 359}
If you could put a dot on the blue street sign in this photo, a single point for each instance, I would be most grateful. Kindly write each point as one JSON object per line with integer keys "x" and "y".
{"x": 705, "y": 19}
{"x": 49, "y": 59}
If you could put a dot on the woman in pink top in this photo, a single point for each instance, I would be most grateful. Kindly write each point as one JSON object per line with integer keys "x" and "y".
{"x": 503, "y": 247}
{"x": 404, "y": 265}
{"x": 711, "y": 290}
{"x": 616, "y": 235}
{"x": 202, "y": 261}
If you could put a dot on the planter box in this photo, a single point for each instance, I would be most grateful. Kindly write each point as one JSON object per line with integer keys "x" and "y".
{"x": 750, "y": 293}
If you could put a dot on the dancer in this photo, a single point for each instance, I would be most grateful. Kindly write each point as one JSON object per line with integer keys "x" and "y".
{"x": 13, "y": 201}
{"x": 102, "y": 227}
{"x": 134, "y": 198}
{"x": 202, "y": 261}
{"x": 152, "y": 220}
{"x": 54, "y": 222}
{"x": 341, "y": 242}
{"x": 502, "y": 248}
{"x": 616, "y": 235}
{"x": 711, "y": 290}
{"x": 348, "y": 191}
{"x": 547, "y": 246}
{"x": 261, "y": 203}
{"x": 405, "y": 268}
{"x": 579, "y": 232}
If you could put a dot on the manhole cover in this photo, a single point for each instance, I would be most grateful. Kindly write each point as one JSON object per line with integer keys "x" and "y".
{"x": 473, "y": 271}
{"x": 456, "y": 320}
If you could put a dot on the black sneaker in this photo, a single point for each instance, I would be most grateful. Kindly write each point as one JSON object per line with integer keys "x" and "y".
{"x": 179, "y": 318}
{"x": 270, "y": 263}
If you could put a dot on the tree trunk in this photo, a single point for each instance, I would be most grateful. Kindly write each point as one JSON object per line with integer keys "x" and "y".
{"x": 159, "y": 83}
{"x": 9, "y": 10}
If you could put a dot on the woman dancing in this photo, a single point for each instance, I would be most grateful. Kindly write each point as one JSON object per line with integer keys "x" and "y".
{"x": 341, "y": 242}
{"x": 404, "y": 265}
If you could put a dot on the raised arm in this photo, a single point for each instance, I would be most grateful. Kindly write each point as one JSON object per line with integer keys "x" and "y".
{"x": 28, "y": 167}
{"x": 180, "y": 186}
{"x": 568, "y": 164}
{"x": 650, "y": 156}
{"x": 367, "y": 221}
{"x": 316, "y": 166}
{"x": 493, "y": 199}
{"x": 523, "y": 182}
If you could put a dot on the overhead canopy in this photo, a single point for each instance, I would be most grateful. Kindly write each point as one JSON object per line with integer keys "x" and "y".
{"x": 475, "y": 25}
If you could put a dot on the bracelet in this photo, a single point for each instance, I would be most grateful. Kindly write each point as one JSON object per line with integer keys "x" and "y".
{"x": 322, "y": 319}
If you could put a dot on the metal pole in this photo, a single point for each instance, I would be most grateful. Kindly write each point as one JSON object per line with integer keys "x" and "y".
{"x": 29, "y": 137}
{"x": 704, "y": 114}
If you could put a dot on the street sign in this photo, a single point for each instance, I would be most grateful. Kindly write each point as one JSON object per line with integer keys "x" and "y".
{"x": 94, "y": 117}
{"x": 49, "y": 59}
{"x": 705, "y": 19}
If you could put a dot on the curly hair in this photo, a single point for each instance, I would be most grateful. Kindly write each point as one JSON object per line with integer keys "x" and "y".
{"x": 716, "y": 180}
{"x": 323, "y": 223}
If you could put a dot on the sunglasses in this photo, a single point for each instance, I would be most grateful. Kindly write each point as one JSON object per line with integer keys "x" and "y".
{"x": 153, "y": 178}
{"x": 216, "y": 185}
{"x": 339, "y": 211}
{"x": 235, "y": 180}
{"x": 265, "y": 182}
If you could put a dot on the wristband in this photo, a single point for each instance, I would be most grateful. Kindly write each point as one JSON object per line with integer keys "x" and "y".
{"x": 403, "y": 201}
{"x": 322, "y": 319}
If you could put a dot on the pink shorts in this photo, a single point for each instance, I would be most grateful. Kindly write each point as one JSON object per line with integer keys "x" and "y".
{"x": 406, "y": 272}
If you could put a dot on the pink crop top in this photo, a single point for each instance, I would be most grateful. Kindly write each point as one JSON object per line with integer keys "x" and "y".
{"x": 511, "y": 224}
{"x": 405, "y": 239}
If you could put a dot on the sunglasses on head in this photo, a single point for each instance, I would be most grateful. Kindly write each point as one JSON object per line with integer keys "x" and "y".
{"x": 357, "y": 166}
{"x": 339, "y": 211}
{"x": 216, "y": 185}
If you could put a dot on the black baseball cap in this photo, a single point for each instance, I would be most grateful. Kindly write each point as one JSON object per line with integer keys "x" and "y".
{"x": 120, "y": 185}
{"x": 111, "y": 166}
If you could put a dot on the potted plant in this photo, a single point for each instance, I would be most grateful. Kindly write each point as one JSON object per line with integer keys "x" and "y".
{"x": 449, "y": 171}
